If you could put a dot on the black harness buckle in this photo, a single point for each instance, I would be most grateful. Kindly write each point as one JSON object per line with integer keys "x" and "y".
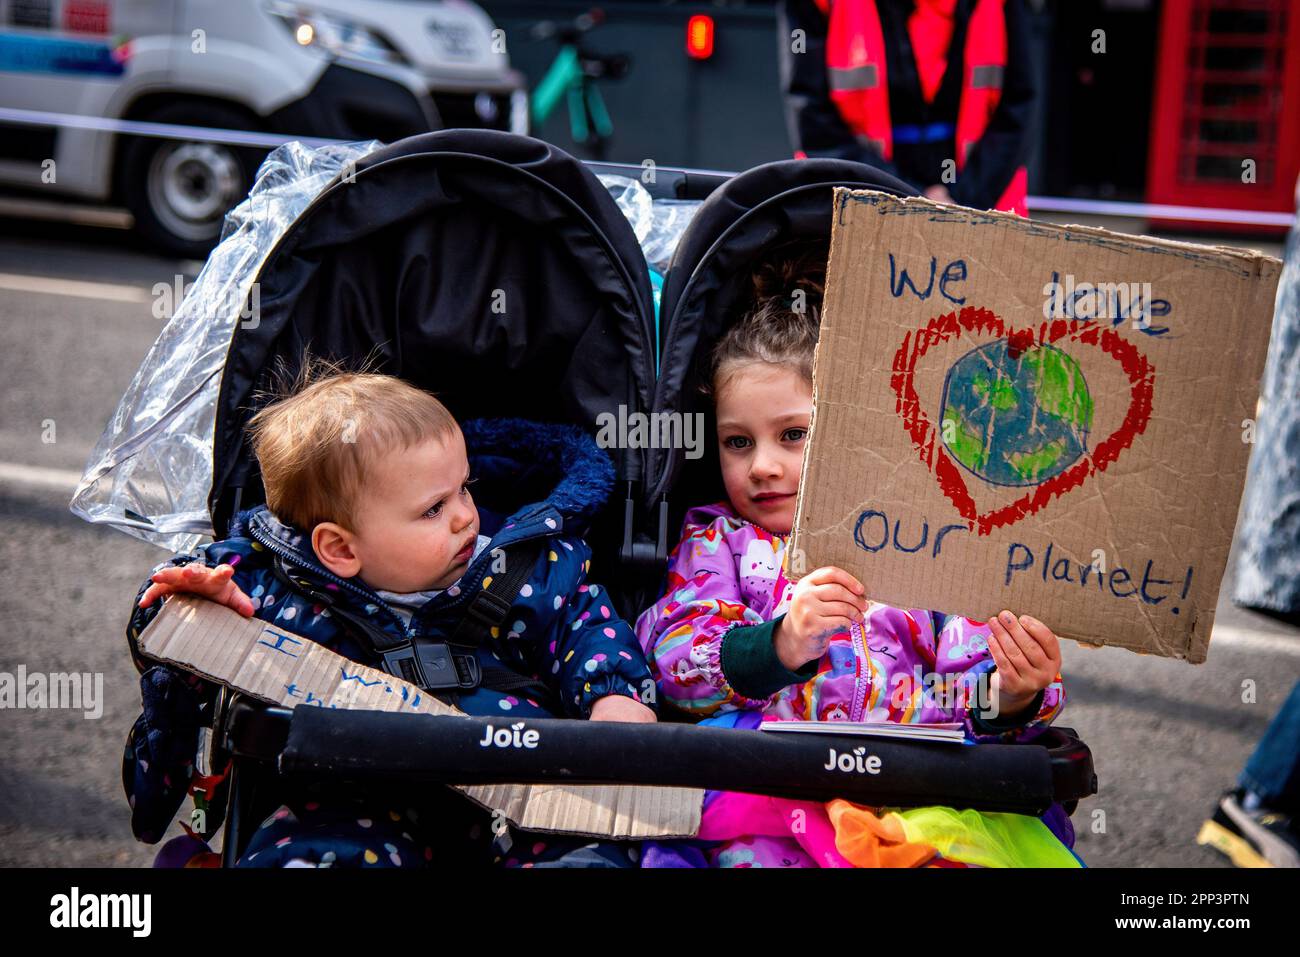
{"x": 433, "y": 666}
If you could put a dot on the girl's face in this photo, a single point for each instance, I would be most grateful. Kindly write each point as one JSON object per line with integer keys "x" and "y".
{"x": 763, "y": 414}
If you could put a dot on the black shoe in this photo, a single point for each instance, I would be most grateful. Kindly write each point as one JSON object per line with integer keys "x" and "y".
{"x": 1258, "y": 838}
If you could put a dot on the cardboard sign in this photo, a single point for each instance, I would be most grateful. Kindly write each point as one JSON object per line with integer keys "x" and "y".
{"x": 1050, "y": 419}
{"x": 277, "y": 666}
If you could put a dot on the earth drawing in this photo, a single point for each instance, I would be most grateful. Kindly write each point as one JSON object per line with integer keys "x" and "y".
{"x": 1016, "y": 418}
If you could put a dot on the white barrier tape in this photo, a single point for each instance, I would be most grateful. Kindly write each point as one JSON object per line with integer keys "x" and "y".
{"x": 162, "y": 130}
{"x": 1203, "y": 214}
{"x": 1038, "y": 204}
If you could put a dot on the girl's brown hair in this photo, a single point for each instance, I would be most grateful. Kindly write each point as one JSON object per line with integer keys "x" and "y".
{"x": 779, "y": 325}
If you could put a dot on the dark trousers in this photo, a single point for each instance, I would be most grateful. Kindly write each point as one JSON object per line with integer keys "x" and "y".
{"x": 1273, "y": 771}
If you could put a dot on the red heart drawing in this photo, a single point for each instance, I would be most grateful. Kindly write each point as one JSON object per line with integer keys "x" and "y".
{"x": 972, "y": 320}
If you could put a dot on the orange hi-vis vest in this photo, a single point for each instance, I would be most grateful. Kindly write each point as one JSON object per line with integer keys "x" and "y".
{"x": 855, "y": 61}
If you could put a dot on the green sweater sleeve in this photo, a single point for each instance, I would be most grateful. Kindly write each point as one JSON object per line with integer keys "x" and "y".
{"x": 1002, "y": 722}
{"x": 750, "y": 663}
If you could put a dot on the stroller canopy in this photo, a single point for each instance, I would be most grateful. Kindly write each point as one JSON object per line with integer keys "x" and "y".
{"x": 493, "y": 270}
{"x": 708, "y": 280}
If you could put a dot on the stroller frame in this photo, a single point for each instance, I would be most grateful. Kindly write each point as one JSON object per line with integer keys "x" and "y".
{"x": 264, "y": 746}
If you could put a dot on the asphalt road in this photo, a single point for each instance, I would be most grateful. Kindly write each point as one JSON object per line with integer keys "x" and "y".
{"x": 75, "y": 321}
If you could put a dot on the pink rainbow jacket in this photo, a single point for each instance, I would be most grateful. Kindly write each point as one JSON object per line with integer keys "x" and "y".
{"x": 902, "y": 666}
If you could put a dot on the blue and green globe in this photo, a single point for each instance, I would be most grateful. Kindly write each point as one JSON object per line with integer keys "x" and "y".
{"x": 1016, "y": 421}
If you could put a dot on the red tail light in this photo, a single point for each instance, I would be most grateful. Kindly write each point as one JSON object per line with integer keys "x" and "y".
{"x": 699, "y": 37}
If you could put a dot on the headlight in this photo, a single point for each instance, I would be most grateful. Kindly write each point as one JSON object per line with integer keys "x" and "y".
{"x": 335, "y": 36}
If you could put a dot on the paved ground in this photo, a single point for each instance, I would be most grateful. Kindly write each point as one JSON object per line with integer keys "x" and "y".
{"x": 1167, "y": 737}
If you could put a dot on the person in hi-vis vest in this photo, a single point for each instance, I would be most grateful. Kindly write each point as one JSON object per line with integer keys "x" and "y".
{"x": 938, "y": 92}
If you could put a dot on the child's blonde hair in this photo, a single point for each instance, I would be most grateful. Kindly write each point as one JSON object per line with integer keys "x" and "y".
{"x": 780, "y": 324}
{"x": 318, "y": 441}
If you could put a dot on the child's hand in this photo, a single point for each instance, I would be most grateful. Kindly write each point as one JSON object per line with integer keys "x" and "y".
{"x": 619, "y": 707}
{"x": 825, "y": 602}
{"x": 214, "y": 584}
{"x": 1028, "y": 657}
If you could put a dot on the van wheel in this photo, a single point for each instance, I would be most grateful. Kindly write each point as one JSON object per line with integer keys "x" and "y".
{"x": 180, "y": 190}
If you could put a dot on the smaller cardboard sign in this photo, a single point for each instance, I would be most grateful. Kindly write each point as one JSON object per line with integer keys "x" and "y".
{"x": 282, "y": 668}
{"x": 1050, "y": 419}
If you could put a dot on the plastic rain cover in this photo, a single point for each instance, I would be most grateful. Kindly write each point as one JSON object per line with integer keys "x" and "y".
{"x": 658, "y": 223}
{"x": 151, "y": 471}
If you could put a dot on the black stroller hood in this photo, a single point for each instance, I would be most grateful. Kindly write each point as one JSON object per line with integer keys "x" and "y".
{"x": 750, "y": 214}
{"x": 492, "y": 269}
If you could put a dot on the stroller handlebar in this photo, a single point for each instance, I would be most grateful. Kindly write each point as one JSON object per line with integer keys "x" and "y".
{"x": 380, "y": 746}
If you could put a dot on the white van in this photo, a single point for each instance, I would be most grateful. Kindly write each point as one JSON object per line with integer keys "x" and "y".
{"x": 338, "y": 69}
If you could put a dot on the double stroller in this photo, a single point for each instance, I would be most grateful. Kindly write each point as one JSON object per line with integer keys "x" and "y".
{"x": 511, "y": 280}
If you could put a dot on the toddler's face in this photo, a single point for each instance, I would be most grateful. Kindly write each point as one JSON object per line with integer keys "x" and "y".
{"x": 763, "y": 417}
{"x": 416, "y": 521}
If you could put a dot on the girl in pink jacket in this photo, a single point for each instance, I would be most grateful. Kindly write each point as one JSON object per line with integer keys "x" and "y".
{"x": 733, "y": 634}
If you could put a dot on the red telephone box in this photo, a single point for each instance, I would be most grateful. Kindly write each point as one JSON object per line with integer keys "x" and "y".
{"x": 1225, "y": 128}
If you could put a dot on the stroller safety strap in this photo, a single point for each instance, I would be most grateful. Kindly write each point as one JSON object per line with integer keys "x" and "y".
{"x": 490, "y": 605}
{"x": 440, "y": 667}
